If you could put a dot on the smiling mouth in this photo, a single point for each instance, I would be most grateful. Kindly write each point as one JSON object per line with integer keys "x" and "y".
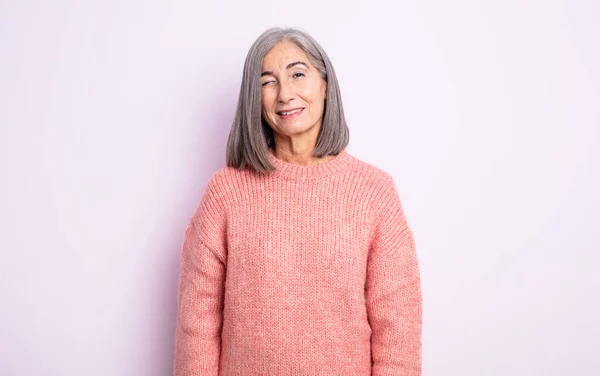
{"x": 288, "y": 113}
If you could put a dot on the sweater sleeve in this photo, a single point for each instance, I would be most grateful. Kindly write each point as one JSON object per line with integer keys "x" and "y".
{"x": 200, "y": 290}
{"x": 393, "y": 290}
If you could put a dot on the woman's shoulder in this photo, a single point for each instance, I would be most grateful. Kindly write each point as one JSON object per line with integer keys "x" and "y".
{"x": 371, "y": 172}
{"x": 230, "y": 179}
{"x": 223, "y": 177}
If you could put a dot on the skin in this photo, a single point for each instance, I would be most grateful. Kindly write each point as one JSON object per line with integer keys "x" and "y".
{"x": 292, "y": 87}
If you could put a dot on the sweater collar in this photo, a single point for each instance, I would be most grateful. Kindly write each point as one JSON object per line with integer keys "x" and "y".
{"x": 292, "y": 171}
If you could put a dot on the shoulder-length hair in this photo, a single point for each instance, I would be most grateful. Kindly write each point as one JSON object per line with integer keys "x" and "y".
{"x": 250, "y": 136}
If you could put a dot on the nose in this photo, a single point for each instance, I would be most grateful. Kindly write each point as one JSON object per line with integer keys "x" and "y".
{"x": 286, "y": 92}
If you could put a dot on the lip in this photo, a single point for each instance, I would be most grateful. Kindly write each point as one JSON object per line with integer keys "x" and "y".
{"x": 291, "y": 115}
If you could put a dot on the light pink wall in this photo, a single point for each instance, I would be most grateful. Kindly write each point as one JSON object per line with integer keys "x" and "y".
{"x": 113, "y": 114}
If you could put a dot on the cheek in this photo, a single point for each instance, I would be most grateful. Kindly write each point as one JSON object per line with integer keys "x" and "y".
{"x": 267, "y": 101}
{"x": 314, "y": 94}
{"x": 265, "y": 105}
{"x": 317, "y": 101}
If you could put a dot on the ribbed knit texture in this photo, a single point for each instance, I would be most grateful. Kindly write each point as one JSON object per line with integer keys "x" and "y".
{"x": 309, "y": 271}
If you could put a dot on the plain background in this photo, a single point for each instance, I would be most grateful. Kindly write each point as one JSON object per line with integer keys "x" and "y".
{"x": 114, "y": 114}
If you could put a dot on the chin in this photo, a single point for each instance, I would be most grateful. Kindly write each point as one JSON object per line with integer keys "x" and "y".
{"x": 295, "y": 128}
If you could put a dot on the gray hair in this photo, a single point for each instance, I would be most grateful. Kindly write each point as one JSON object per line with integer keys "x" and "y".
{"x": 250, "y": 136}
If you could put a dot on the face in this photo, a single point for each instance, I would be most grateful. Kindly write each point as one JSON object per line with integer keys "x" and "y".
{"x": 290, "y": 82}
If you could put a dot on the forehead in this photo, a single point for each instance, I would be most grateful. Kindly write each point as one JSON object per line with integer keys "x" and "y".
{"x": 281, "y": 54}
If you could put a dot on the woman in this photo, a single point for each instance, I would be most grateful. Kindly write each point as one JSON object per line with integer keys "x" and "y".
{"x": 299, "y": 259}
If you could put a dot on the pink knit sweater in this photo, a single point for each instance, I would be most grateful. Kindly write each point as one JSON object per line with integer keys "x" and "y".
{"x": 309, "y": 271}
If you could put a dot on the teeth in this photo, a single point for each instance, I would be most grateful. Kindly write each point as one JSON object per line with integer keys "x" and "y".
{"x": 291, "y": 112}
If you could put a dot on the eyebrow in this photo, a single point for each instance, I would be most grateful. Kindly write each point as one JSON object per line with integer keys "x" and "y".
{"x": 290, "y": 65}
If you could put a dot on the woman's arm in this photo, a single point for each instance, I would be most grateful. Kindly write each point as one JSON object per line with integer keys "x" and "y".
{"x": 201, "y": 288}
{"x": 393, "y": 290}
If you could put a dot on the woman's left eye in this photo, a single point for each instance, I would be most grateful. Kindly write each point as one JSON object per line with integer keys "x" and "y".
{"x": 300, "y": 73}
